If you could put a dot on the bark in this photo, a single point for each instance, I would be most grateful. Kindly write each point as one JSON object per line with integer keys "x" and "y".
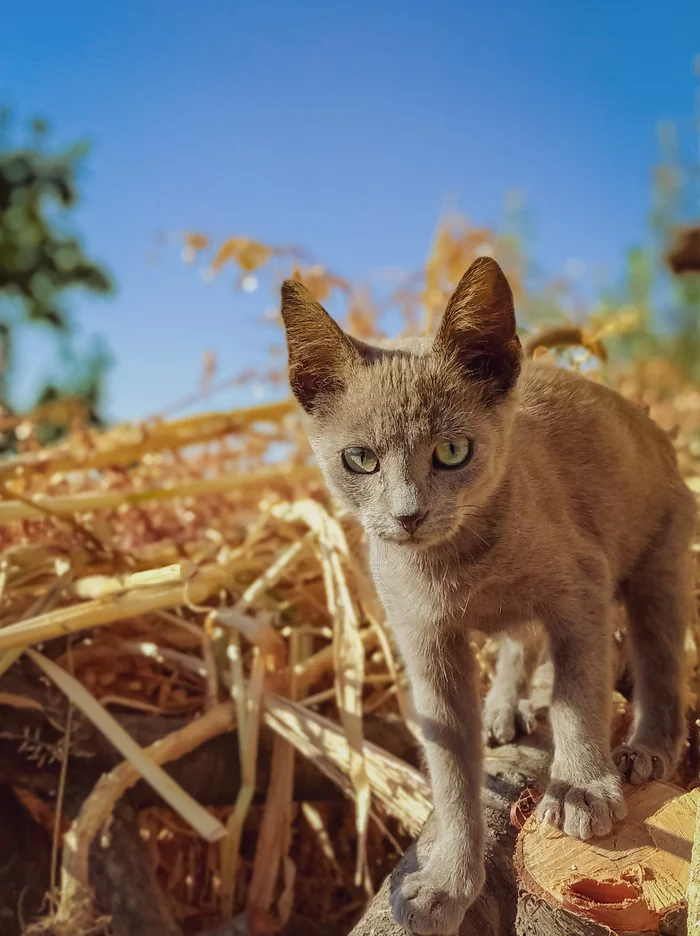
{"x": 125, "y": 884}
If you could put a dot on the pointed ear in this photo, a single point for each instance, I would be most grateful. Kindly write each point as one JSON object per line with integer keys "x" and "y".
{"x": 319, "y": 349}
{"x": 478, "y": 328}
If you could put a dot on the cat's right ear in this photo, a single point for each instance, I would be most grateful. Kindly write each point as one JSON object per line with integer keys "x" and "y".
{"x": 319, "y": 350}
{"x": 478, "y": 328}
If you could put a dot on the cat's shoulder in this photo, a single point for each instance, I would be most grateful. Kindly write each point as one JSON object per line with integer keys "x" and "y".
{"x": 546, "y": 384}
{"x": 562, "y": 400}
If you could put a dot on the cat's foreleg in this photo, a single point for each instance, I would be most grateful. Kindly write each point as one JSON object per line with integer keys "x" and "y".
{"x": 442, "y": 672}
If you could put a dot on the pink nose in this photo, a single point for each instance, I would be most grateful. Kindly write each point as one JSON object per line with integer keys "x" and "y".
{"x": 411, "y": 522}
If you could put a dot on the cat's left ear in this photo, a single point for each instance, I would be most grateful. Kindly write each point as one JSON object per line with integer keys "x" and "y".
{"x": 320, "y": 353}
{"x": 478, "y": 328}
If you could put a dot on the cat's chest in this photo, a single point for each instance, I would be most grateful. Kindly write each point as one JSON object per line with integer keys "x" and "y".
{"x": 413, "y": 587}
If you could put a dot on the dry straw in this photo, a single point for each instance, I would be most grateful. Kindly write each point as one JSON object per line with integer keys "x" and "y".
{"x": 190, "y": 567}
{"x": 266, "y": 596}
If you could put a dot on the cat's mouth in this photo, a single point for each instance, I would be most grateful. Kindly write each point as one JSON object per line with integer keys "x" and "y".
{"x": 399, "y": 537}
{"x": 423, "y": 535}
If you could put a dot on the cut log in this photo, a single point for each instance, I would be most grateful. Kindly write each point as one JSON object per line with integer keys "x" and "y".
{"x": 630, "y": 882}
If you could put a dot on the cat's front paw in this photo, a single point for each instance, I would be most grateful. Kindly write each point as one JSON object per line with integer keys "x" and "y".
{"x": 583, "y": 809}
{"x": 640, "y": 763}
{"x": 428, "y": 901}
{"x": 505, "y": 719}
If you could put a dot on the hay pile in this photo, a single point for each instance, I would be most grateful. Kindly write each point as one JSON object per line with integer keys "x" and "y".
{"x": 166, "y": 568}
{"x": 194, "y": 575}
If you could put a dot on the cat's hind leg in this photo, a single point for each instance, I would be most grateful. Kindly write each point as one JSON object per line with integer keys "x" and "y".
{"x": 659, "y": 608}
{"x": 508, "y": 710}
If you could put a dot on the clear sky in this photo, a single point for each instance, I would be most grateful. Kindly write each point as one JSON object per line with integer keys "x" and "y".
{"x": 345, "y": 127}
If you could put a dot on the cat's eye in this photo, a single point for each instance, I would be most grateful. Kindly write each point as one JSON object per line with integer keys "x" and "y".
{"x": 452, "y": 453}
{"x": 360, "y": 460}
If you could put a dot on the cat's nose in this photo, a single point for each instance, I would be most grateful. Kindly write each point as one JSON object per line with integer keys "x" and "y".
{"x": 411, "y": 522}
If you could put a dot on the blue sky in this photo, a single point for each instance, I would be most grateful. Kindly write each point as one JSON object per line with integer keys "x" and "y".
{"x": 343, "y": 127}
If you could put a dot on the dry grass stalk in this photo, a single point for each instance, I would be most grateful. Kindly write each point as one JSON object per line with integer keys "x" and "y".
{"x": 400, "y": 681}
{"x": 403, "y": 792}
{"x": 274, "y": 838}
{"x": 315, "y": 820}
{"x": 310, "y": 670}
{"x": 272, "y": 860}
{"x": 59, "y": 818}
{"x": 269, "y": 649}
{"x": 100, "y": 586}
{"x": 257, "y": 630}
{"x": 348, "y": 656}
{"x": 248, "y": 733}
{"x": 128, "y": 443}
{"x": 202, "y": 635}
{"x": 99, "y": 612}
{"x": 183, "y": 804}
{"x": 44, "y": 601}
{"x": 269, "y": 577}
{"x": 20, "y": 702}
{"x": 88, "y": 501}
{"x": 349, "y": 669}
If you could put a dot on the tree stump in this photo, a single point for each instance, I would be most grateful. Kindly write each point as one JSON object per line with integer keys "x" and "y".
{"x": 630, "y": 882}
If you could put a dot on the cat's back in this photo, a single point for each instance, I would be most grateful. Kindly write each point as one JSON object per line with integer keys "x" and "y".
{"x": 602, "y": 449}
{"x": 561, "y": 403}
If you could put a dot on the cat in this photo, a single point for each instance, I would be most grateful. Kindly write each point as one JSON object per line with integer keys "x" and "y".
{"x": 496, "y": 492}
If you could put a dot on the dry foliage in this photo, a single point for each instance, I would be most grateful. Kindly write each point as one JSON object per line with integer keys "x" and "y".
{"x": 200, "y": 569}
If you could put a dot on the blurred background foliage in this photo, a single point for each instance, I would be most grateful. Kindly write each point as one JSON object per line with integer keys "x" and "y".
{"x": 41, "y": 260}
{"x": 653, "y": 312}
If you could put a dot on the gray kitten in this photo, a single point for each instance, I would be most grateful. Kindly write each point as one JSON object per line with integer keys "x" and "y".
{"x": 495, "y": 493}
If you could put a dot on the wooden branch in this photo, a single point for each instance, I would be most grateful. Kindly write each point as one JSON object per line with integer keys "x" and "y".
{"x": 125, "y": 884}
{"x": 210, "y": 773}
{"x": 67, "y": 505}
{"x": 128, "y": 443}
{"x": 75, "y": 911}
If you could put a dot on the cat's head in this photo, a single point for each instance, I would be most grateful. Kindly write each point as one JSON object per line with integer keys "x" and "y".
{"x": 411, "y": 435}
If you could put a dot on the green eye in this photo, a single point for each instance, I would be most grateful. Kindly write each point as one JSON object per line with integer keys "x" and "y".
{"x": 452, "y": 453}
{"x": 361, "y": 460}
